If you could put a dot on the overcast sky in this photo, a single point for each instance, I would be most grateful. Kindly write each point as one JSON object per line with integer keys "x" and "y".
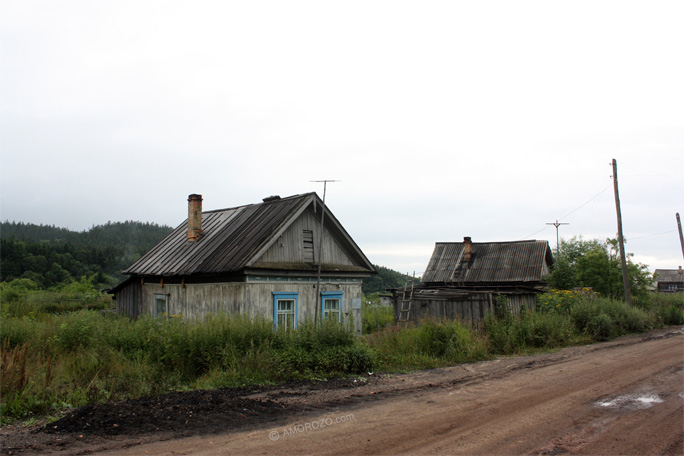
{"x": 440, "y": 119}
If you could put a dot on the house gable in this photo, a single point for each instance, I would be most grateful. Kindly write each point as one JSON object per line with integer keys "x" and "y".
{"x": 299, "y": 244}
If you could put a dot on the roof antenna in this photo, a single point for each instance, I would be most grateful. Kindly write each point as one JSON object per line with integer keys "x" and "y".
{"x": 557, "y": 224}
{"x": 320, "y": 246}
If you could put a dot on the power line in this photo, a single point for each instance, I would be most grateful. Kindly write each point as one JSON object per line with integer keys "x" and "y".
{"x": 589, "y": 201}
{"x": 575, "y": 210}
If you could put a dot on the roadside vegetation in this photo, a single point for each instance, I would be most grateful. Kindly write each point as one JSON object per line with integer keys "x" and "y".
{"x": 66, "y": 350}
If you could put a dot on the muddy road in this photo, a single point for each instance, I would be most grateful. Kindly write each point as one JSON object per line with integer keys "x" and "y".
{"x": 620, "y": 397}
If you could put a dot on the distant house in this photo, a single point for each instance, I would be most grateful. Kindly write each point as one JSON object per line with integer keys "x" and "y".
{"x": 465, "y": 279}
{"x": 258, "y": 259}
{"x": 669, "y": 280}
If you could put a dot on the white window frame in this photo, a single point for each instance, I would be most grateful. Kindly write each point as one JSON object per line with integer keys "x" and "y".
{"x": 331, "y": 296}
{"x": 283, "y": 297}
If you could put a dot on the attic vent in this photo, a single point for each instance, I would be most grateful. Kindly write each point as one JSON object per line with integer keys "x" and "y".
{"x": 268, "y": 199}
{"x": 308, "y": 246}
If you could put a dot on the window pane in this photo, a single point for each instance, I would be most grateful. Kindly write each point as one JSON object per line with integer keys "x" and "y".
{"x": 331, "y": 308}
{"x": 161, "y": 304}
{"x": 285, "y": 317}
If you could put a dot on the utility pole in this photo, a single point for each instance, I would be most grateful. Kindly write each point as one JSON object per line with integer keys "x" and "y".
{"x": 681, "y": 238}
{"x": 557, "y": 224}
{"x": 621, "y": 239}
{"x": 320, "y": 252}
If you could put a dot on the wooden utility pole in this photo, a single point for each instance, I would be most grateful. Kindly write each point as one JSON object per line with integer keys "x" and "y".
{"x": 320, "y": 252}
{"x": 621, "y": 239}
{"x": 681, "y": 238}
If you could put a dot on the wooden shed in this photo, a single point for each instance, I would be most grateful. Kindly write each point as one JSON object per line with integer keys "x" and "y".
{"x": 273, "y": 258}
{"x": 465, "y": 280}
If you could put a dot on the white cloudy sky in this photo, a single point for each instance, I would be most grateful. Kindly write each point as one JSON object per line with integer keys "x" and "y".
{"x": 440, "y": 119}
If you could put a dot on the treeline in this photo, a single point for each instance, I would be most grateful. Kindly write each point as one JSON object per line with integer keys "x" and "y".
{"x": 50, "y": 256}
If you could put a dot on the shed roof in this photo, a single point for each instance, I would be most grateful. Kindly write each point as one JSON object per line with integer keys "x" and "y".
{"x": 669, "y": 275}
{"x": 491, "y": 262}
{"x": 233, "y": 239}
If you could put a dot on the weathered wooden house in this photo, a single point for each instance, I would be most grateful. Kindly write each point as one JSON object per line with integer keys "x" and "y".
{"x": 464, "y": 280}
{"x": 274, "y": 258}
{"x": 669, "y": 280}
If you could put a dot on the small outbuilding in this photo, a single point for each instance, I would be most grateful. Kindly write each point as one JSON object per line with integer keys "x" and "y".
{"x": 279, "y": 258}
{"x": 465, "y": 280}
{"x": 669, "y": 280}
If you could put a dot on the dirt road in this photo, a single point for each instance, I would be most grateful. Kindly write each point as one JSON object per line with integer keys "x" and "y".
{"x": 619, "y": 397}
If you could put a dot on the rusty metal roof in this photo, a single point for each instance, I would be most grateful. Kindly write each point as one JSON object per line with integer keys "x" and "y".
{"x": 492, "y": 262}
{"x": 233, "y": 239}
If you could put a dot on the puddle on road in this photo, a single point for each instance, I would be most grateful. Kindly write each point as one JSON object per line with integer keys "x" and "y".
{"x": 630, "y": 401}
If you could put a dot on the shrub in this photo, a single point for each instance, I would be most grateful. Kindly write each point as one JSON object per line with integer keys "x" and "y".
{"x": 600, "y": 326}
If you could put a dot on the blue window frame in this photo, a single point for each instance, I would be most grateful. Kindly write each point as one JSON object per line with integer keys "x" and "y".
{"x": 331, "y": 305}
{"x": 285, "y": 309}
{"x": 161, "y": 306}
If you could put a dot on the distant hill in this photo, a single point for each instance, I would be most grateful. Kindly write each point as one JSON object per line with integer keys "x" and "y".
{"x": 385, "y": 279}
{"x": 49, "y": 255}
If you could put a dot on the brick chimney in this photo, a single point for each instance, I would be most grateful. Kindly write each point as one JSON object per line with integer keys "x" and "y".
{"x": 467, "y": 249}
{"x": 194, "y": 217}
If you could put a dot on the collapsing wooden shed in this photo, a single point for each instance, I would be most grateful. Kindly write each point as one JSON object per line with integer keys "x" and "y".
{"x": 466, "y": 280}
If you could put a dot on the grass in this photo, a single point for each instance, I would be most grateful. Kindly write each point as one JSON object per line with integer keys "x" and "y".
{"x": 53, "y": 361}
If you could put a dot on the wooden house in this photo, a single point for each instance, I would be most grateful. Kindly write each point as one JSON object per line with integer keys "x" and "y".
{"x": 669, "y": 280}
{"x": 274, "y": 258}
{"x": 465, "y": 280}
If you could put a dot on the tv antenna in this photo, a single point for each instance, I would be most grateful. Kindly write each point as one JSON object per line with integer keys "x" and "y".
{"x": 557, "y": 224}
{"x": 320, "y": 249}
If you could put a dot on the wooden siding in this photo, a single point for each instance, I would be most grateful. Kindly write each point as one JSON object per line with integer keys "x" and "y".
{"x": 289, "y": 248}
{"x": 465, "y": 306}
{"x": 197, "y": 301}
{"x": 129, "y": 299}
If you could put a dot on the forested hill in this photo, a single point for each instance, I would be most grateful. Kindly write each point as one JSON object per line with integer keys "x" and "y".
{"x": 49, "y": 255}
{"x": 385, "y": 279}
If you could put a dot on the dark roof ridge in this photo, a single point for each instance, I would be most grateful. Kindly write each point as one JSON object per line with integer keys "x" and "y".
{"x": 256, "y": 204}
{"x": 492, "y": 242}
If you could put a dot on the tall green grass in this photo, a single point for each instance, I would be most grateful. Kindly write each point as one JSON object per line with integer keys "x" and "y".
{"x": 69, "y": 360}
{"x": 49, "y": 362}
{"x": 431, "y": 344}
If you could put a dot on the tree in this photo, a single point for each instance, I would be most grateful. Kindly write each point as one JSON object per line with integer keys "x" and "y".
{"x": 596, "y": 265}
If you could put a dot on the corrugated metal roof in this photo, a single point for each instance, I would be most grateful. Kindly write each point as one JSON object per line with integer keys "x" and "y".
{"x": 500, "y": 262}
{"x": 231, "y": 238}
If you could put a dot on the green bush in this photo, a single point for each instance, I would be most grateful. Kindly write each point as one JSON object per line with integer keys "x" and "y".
{"x": 600, "y": 326}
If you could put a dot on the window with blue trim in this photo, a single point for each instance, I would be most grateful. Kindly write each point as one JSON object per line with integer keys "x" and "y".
{"x": 285, "y": 310}
{"x": 331, "y": 305}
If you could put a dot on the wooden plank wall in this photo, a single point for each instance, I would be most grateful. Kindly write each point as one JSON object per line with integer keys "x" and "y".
{"x": 289, "y": 248}
{"x": 196, "y": 301}
{"x": 129, "y": 300}
{"x": 466, "y": 307}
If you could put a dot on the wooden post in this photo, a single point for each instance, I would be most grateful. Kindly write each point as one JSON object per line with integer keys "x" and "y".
{"x": 621, "y": 242}
{"x": 681, "y": 238}
{"x": 320, "y": 252}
